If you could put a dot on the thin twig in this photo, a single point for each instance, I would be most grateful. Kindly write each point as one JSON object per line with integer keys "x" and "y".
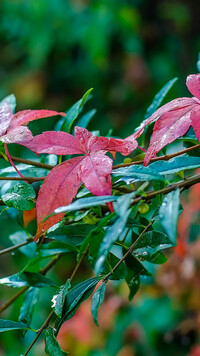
{"x": 129, "y": 251}
{"x": 44, "y": 326}
{"x": 50, "y": 316}
{"x": 15, "y": 247}
{"x": 185, "y": 184}
{"x": 161, "y": 158}
{"x": 24, "y": 289}
{"x": 30, "y": 179}
{"x": 29, "y": 162}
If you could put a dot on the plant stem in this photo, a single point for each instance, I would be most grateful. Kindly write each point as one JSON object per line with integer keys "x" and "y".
{"x": 30, "y": 179}
{"x": 130, "y": 250}
{"x": 185, "y": 184}
{"x": 44, "y": 326}
{"x": 29, "y": 162}
{"x": 12, "y": 248}
{"x": 163, "y": 158}
{"x": 10, "y": 159}
{"x": 50, "y": 316}
{"x": 24, "y": 289}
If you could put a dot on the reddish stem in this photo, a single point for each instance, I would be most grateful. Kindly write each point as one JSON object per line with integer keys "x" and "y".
{"x": 10, "y": 159}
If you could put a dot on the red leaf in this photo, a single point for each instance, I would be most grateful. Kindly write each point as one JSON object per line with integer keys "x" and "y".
{"x": 17, "y": 135}
{"x": 25, "y": 116}
{"x": 59, "y": 143}
{"x": 6, "y": 115}
{"x": 195, "y": 118}
{"x": 193, "y": 84}
{"x": 93, "y": 169}
{"x": 125, "y": 146}
{"x": 167, "y": 129}
{"x": 58, "y": 189}
{"x": 173, "y": 105}
{"x": 95, "y": 173}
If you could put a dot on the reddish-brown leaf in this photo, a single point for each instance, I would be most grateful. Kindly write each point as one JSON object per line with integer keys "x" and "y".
{"x": 58, "y": 189}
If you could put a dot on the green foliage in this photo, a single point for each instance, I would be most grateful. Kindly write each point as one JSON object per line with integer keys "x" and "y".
{"x": 20, "y": 197}
{"x": 97, "y": 300}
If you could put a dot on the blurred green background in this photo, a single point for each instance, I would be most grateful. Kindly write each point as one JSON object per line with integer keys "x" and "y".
{"x": 52, "y": 51}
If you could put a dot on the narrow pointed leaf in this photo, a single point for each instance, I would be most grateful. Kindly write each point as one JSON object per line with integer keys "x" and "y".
{"x": 75, "y": 297}
{"x": 175, "y": 165}
{"x": 168, "y": 214}
{"x": 97, "y": 300}
{"x": 74, "y": 111}
{"x": 85, "y": 119}
{"x": 52, "y": 347}
{"x": 59, "y": 299}
{"x": 114, "y": 231}
{"x": 86, "y": 203}
{"x": 137, "y": 173}
{"x": 10, "y": 100}
{"x": 33, "y": 279}
{"x": 27, "y": 308}
{"x": 9, "y": 325}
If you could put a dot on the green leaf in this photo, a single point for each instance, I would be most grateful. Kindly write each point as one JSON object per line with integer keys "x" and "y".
{"x": 97, "y": 300}
{"x": 157, "y": 258}
{"x": 169, "y": 212}
{"x": 8, "y": 325}
{"x": 110, "y": 262}
{"x": 96, "y": 230}
{"x": 19, "y": 280}
{"x": 133, "y": 283}
{"x": 136, "y": 266}
{"x": 59, "y": 299}
{"x": 75, "y": 297}
{"x": 150, "y": 243}
{"x": 74, "y": 111}
{"x": 20, "y": 196}
{"x": 72, "y": 234}
{"x": 137, "y": 173}
{"x": 20, "y": 237}
{"x": 55, "y": 247}
{"x": 122, "y": 209}
{"x": 85, "y": 119}
{"x": 157, "y": 100}
{"x": 85, "y": 203}
{"x": 176, "y": 164}
{"x": 26, "y": 310}
{"x": 198, "y": 62}
{"x": 52, "y": 347}
{"x": 11, "y": 100}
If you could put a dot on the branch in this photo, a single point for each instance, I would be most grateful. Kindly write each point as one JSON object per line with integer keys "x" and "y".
{"x": 129, "y": 251}
{"x": 15, "y": 247}
{"x": 29, "y": 162}
{"x": 50, "y": 316}
{"x": 161, "y": 158}
{"x": 24, "y": 289}
{"x": 30, "y": 179}
{"x": 185, "y": 184}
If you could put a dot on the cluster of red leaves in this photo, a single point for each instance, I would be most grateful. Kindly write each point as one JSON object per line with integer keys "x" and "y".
{"x": 174, "y": 119}
{"x": 92, "y": 166}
